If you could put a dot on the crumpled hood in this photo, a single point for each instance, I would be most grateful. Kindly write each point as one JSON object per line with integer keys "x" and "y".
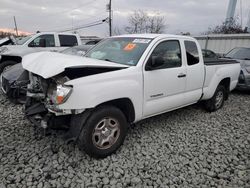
{"x": 49, "y": 64}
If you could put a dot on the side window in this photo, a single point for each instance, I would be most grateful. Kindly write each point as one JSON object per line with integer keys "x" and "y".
{"x": 68, "y": 40}
{"x": 43, "y": 41}
{"x": 168, "y": 53}
{"x": 192, "y": 53}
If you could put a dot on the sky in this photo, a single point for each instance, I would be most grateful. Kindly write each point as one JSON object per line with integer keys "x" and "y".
{"x": 194, "y": 16}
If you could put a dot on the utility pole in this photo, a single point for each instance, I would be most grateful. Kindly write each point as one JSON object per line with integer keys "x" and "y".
{"x": 230, "y": 11}
{"x": 15, "y": 26}
{"x": 110, "y": 18}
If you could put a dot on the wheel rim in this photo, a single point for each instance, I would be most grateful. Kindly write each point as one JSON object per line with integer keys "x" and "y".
{"x": 219, "y": 99}
{"x": 106, "y": 133}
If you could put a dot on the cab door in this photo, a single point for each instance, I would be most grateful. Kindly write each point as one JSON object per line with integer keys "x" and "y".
{"x": 164, "y": 78}
{"x": 195, "y": 72}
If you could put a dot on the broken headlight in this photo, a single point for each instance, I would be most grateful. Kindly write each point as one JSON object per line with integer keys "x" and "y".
{"x": 61, "y": 94}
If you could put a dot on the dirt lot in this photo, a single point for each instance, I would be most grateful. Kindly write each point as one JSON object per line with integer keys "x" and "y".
{"x": 184, "y": 148}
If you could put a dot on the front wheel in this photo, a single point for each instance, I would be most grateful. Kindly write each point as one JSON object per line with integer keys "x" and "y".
{"x": 103, "y": 132}
{"x": 217, "y": 101}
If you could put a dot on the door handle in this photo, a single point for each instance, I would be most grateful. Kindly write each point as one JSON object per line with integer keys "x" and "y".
{"x": 181, "y": 75}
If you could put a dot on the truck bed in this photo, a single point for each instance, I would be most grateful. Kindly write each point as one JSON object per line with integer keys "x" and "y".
{"x": 215, "y": 70}
{"x": 220, "y": 61}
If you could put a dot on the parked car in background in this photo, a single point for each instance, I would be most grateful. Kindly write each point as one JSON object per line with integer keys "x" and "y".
{"x": 243, "y": 56}
{"x": 93, "y": 41}
{"x": 209, "y": 54}
{"x": 7, "y": 41}
{"x": 90, "y": 40}
{"x": 122, "y": 80}
{"x": 14, "y": 81}
{"x": 45, "y": 41}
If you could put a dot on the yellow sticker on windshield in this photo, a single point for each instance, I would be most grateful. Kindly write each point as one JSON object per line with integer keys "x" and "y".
{"x": 129, "y": 47}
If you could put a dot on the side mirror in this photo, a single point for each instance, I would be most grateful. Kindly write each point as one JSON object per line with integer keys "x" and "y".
{"x": 42, "y": 43}
{"x": 154, "y": 62}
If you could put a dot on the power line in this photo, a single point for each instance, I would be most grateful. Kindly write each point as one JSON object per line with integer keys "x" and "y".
{"x": 99, "y": 22}
{"x": 68, "y": 25}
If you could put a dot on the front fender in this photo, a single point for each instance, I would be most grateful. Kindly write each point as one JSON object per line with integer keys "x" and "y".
{"x": 89, "y": 93}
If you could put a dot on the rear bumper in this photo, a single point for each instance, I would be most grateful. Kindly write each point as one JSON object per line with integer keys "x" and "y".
{"x": 244, "y": 81}
{"x": 243, "y": 87}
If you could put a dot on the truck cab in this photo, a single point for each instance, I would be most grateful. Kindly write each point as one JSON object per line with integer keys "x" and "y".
{"x": 45, "y": 41}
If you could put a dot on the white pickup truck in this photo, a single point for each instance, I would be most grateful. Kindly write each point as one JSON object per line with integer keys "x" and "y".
{"x": 121, "y": 81}
{"x": 45, "y": 41}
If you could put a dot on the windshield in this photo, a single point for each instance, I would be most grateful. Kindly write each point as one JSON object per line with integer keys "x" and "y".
{"x": 20, "y": 41}
{"x": 239, "y": 53}
{"x": 124, "y": 50}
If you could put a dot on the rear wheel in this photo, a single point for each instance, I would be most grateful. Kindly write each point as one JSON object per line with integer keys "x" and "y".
{"x": 103, "y": 132}
{"x": 217, "y": 101}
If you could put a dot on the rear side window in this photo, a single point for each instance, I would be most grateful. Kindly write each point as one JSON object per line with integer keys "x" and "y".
{"x": 68, "y": 40}
{"x": 192, "y": 53}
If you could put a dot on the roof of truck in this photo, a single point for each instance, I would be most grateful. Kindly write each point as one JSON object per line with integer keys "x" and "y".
{"x": 51, "y": 32}
{"x": 152, "y": 36}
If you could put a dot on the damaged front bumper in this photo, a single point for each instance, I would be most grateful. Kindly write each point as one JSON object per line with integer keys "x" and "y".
{"x": 47, "y": 117}
{"x": 41, "y": 110}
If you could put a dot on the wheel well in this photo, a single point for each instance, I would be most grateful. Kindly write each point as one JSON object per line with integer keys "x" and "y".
{"x": 226, "y": 83}
{"x": 125, "y": 105}
{"x": 11, "y": 58}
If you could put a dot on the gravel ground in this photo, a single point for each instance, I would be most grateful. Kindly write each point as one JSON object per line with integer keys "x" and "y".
{"x": 185, "y": 148}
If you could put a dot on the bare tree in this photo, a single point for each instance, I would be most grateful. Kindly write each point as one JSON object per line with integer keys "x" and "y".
{"x": 116, "y": 31}
{"x": 231, "y": 26}
{"x": 141, "y": 22}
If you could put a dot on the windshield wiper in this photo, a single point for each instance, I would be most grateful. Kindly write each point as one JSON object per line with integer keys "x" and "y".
{"x": 107, "y": 60}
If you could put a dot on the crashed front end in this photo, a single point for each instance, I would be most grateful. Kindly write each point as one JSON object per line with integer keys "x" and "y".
{"x": 43, "y": 98}
{"x": 50, "y": 87}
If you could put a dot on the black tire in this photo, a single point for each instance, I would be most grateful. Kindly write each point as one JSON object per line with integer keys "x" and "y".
{"x": 86, "y": 140}
{"x": 5, "y": 64}
{"x": 213, "y": 104}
